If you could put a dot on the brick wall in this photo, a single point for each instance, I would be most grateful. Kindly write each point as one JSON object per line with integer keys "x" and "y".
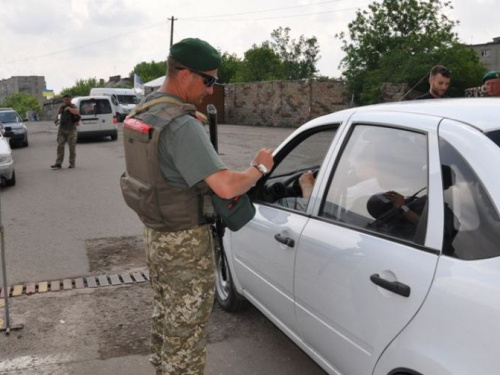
{"x": 282, "y": 103}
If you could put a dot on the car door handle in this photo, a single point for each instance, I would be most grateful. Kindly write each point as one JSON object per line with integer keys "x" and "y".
{"x": 284, "y": 240}
{"x": 393, "y": 286}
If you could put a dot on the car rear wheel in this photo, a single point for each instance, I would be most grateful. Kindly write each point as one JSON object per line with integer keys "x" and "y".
{"x": 114, "y": 137}
{"x": 12, "y": 181}
{"x": 227, "y": 296}
{"x": 25, "y": 143}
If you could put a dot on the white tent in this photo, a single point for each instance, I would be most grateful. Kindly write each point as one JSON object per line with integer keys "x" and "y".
{"x": 155, "y": 83}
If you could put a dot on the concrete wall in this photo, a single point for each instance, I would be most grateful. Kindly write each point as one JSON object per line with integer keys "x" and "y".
{"x": 50, "y": 109}
{"x": 32, "y": 85}
{"x": 282, "y": 103}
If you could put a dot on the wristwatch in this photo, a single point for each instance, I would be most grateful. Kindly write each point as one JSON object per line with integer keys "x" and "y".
{"x": 404, "y": 209}
{"x": 261, "y": 167}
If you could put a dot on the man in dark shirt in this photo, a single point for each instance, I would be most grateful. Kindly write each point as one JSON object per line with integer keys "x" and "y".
{"x": 439, "y": 80}
{"x": 67, "y": 132}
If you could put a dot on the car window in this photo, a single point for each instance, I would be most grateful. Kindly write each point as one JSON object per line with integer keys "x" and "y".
{"x": 380, "y": 170}
{"x": 127, "y": 99}
{"x": 7, "y": 117}
{"x": 305, "y": 153}
{"x": 95, "y": 107}
{"x": 472, "y": 228}
{"x": 494, "y": 136}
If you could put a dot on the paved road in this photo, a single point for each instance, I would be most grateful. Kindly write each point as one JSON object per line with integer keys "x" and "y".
{"x": 49, "y": 215}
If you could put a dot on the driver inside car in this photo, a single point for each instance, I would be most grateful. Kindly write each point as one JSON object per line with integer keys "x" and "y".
{"x": 306, "y": 183}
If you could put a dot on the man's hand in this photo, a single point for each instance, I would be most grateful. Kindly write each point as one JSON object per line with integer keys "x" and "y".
{"x": 306, "y": 182}
{"x": 264, "y": 156}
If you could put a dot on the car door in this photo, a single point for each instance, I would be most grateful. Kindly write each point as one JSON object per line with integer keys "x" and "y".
{"x": 362, "y": 269}
{"x": 264, "y": 250}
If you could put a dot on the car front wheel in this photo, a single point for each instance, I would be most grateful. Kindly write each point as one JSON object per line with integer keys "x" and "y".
{"x": 227, "y": 296}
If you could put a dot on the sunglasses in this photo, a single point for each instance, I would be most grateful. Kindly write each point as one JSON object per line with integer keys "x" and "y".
{"x": 208, "y": 80}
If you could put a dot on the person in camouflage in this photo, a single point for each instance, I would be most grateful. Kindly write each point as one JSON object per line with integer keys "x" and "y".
{"x": 181, "y": 262}
{"x": 67, "y": 132}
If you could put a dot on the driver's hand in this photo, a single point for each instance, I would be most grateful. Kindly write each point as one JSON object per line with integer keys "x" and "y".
{"x": 306, "y": 182}
{"x": 397, "y": 199}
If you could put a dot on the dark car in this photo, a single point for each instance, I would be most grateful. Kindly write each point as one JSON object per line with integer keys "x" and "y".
{"x": 13, "y": 127}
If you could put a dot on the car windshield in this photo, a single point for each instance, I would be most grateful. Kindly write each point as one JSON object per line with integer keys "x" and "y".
{"x": 7, "y": 117}
{"x": 494, "y": 136}
{"x": 127, "y": 99}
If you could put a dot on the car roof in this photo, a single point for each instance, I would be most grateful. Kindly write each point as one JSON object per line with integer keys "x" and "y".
{"x": 481, "y": 113}
{"x": 80, "y": 98}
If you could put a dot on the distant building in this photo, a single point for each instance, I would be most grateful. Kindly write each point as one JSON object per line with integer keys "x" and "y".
{"x": 32, "y": 85}
{"x": 489, "y": 53}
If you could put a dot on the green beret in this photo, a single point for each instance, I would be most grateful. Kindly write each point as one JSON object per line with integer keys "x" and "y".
{"x": 491, "y": 75}
{"x": 196, "y": 54}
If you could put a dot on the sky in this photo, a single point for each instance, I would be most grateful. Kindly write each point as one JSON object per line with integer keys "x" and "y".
{"x": 69, "y": 40}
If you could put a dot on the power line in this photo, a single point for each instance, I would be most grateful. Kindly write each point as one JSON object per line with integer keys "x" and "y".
{"x": 263, "y": 11}
{"x": 205, "y": 19}
{"x": 270, "y": 18}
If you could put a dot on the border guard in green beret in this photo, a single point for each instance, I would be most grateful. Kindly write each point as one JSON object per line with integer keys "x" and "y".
{"x": 171, "y": 169}
{"x": 492, "y": 82}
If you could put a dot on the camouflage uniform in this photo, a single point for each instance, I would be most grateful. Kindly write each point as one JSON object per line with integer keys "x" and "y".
{"x": 64, "y": 136}
{"x": 182, "y": 275}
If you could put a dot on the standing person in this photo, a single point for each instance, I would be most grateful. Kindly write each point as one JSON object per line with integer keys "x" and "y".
{"x": 168, "y": 154}
{"x": 67, "y": 132}
{"x": 439, "y": 80}
{"x": 492, "y": 82}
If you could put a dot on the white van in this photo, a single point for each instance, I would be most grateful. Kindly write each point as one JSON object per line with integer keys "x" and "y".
{"x": 124, "y": 100}
{"x": 97, "y": 117}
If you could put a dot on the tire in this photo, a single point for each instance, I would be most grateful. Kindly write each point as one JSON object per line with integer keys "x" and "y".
{"x": 114, "y": 137}
{"x": 12, "y": 181}
{"x": 225, "y": 293}
{"x": 25, "y": 143}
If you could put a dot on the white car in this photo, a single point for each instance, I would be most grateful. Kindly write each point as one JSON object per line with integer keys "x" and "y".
{"x": 7, "y": 172}
{"x": 392, "y": 266}
{"x": 97, "y": 117}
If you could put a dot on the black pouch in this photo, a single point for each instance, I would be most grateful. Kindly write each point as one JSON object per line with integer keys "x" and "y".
{"x": 235, "y": 212}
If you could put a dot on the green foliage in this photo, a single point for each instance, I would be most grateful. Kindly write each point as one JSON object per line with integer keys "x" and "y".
{"x": 282, "y": 58}
{"x": 229, "y": 68}
{"x": 400, "y": 41}
{"x": 299, "y": 58}
{"x": 149, "y": 71}
{"x": 82, "y": 87}
{"x": 260, "y": 64}
{"x": 22, "y": 102}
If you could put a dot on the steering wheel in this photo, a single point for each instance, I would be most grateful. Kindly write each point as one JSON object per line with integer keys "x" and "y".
{"x": 291, "y": 186}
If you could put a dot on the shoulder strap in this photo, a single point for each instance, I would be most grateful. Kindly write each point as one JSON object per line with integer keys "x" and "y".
{"x": 144, "y": 107}
{"x": 140, "y": 108}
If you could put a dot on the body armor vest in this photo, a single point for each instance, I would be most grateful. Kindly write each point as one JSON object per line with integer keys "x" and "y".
{"x": 159, "y": 205}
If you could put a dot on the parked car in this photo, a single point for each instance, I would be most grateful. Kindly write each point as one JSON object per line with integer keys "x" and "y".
{"x": 97, "y": 117}
{"x": 13, "y": 127}
{"x": 366, "y": 283}
{"x": 7, "y": 173}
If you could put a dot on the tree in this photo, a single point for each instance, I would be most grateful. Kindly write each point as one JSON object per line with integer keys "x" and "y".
{"x": 282, "y": 58}
{"x": 260, "y": 64}
{"x": 230, "y": 67}
{"x": 82, "y": 87}
{"x": 400, "y": 41}
{"x": 22, "y": 103}
{"x": 299, "y": 58}
{"x": 149, "y": 71}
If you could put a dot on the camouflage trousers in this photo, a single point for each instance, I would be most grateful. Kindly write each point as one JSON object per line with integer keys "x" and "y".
{"x": 68, "y": 136}
{"x": 182, "y": 274}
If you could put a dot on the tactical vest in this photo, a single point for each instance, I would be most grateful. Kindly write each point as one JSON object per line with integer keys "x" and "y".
{"x": 159, "y": 205}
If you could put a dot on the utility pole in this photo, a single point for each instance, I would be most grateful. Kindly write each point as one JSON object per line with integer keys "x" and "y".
{"x": 172, "y": 29}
